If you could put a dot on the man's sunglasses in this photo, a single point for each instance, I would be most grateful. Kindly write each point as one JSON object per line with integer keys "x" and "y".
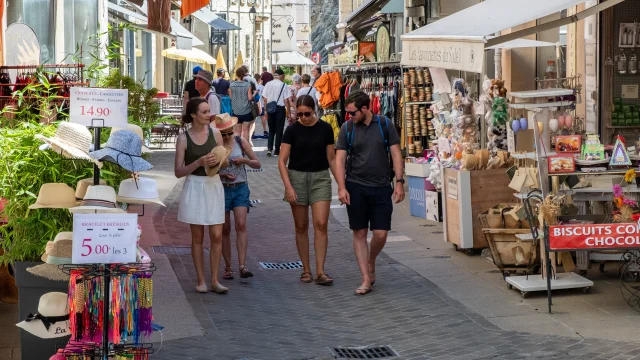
{"x": 353, "y": 113}
{"x": 305, "y": 114}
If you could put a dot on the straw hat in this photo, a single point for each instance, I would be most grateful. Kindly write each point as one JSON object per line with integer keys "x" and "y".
{"x": 124, "y": 148}
{"x": 51, "y": 320}
{"x": 57, "y": 254}
{"x": 65, "y": 235}
{"x": 225, "y": 121}
{"x": 82, "y": 185}
{"x": 98, "y": 199}
{"x": 141, "y": 191}
{"x": 55, "y": 196}
{"x": 221, "y": 154}
{"x": 135, "y": 129}
{"x": 71, "y": 140}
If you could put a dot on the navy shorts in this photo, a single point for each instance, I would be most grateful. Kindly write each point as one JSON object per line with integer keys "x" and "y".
{"x": 236, "y": 196}
{"x": 245, "y": 118}
{"x": 371, "y": 207}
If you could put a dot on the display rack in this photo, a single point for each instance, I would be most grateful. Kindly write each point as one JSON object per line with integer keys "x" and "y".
{"x": 417, "y": 97}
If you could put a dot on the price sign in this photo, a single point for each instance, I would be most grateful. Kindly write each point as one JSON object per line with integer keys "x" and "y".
{"x": 104, "y": 238}
{"x": 99, "y": 107}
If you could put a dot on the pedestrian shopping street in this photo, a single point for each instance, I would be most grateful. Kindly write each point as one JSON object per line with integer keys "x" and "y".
{"x": 428, "y": 302}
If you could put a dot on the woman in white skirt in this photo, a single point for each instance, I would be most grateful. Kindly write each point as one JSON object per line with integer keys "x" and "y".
{"x": 202, "y": 198}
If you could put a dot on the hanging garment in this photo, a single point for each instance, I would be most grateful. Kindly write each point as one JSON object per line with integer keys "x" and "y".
{"x": 332, "y": 119}
{"x": 188, "y": 7}
{"x": 329, "y": 86}
{"x": 160, "y": 14}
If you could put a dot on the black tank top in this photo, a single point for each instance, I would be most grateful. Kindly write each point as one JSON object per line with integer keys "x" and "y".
{"x": 195, "y": 152}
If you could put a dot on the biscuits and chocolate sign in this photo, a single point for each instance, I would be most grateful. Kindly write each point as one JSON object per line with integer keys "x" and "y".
{"x": 594, "y": 236}
{"x": 452, "y": 55}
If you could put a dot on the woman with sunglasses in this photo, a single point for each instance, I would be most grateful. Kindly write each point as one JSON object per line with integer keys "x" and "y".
{"x": 236, "y": 193}
{"x": 308, "y": 148}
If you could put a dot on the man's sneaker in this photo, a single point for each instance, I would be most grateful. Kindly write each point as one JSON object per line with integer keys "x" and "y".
{"x": 268, "y": 152}
{"x": 266, "y": 135}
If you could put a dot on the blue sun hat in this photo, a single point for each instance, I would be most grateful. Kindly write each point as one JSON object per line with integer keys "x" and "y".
{"x": 124, "y": 148}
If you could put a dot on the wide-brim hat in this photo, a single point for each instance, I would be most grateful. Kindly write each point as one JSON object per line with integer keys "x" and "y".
{"x": 124, "y": 148}
{"x": 222, "y": 154}
{"x": 98, "y": 199}
{"x": 55, "y": 196}
{"x": 83, "y": 185}
{"x": 58, "y": 254}
{"x": 139, "y": 191}
{"x": 205, "y": 75}
{"x": 225, "y": 121}
{"x": 72, "y": 141}
{"x": 51, "y": 320}
{"x": 138, "y": 131}
{"x": 49, "y": 248}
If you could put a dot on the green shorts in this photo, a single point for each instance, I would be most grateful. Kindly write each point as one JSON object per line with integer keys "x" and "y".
{"x": 311, "y": 187}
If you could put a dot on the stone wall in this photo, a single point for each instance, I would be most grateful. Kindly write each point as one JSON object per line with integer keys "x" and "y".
{"x": 324, "y": 18}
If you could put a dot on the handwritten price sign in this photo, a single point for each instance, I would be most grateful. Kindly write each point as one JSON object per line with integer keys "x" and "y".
{"x": 104, "y": 238}
{"x": 99, "y": 107}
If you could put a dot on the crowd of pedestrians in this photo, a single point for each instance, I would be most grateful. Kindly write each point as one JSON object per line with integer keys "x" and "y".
{"x": 215, "y": 150}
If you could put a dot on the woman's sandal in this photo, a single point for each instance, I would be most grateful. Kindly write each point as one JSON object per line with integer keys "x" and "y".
{"x": 244, "y": 273}
{"x": 228, "y": 273}
{"x": 324, "y": 279}
{"x": 219, "y": 289}
{"x": 202, "y": 289}
{"x": 362, "y": 290}
{"x": 305, "y": 277}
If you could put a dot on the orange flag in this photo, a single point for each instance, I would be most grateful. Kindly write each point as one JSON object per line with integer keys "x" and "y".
{"x": 188, "y": 7}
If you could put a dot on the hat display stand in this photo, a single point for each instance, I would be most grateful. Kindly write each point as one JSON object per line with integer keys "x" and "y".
{"x": 98, "y": 287}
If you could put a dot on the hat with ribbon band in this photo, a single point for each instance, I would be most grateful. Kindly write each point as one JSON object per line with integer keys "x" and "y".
{"x": 83, "y": 185}
{"x": 59, "y": 253}
{"x": 51, "y": 320}
{"x": 124, "y": 148}
{"x": 98, "y": 199}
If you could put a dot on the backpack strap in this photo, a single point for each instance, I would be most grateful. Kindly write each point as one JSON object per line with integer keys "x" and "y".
{"x": 384, "y": 131}
{"x": 350, "y": 136}
{"x": 239, "y": 141}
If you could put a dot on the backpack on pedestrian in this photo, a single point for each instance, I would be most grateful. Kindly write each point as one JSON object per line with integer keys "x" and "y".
{"x": 384, "y": 131}
{"x": 225, "y": 105}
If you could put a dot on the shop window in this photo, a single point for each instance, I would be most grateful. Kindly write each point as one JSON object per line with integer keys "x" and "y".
{"x": 80, "y": 27}
{"x": 551, "y": 60}
{"x": 39, "y": 15}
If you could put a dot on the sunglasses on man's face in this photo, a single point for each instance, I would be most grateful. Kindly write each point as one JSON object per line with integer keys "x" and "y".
{"x": 352, "y": 113}
{"x": 305, "y": 114}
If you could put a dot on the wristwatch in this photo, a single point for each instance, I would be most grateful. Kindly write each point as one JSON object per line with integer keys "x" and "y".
{"x": 400, "y": 180}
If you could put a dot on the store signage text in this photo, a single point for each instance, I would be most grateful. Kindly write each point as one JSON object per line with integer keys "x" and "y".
{"x": 594, "y": 236}
{"x": 99, "y": 107}
{"x": 345, "y": 59}
{"x": 453, "y": 55}
{"x": 104, "y": 238}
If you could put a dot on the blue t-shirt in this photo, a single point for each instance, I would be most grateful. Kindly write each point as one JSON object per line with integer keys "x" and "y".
{"x": 222, "y": 86}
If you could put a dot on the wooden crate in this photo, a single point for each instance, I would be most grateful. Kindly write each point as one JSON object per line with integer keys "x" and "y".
{"x": 467, "y": 194}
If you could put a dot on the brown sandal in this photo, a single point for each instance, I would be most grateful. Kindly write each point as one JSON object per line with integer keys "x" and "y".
{"x": 228, "y": 273}
{"x": 324, "y": 279}
{"x": 305, "y": 277}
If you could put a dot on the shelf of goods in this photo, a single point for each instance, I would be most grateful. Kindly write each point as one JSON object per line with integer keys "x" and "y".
{"x": 417, "y": 98}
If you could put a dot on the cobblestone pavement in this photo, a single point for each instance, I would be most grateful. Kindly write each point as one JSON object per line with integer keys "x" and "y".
{"x": 275, "y": 316}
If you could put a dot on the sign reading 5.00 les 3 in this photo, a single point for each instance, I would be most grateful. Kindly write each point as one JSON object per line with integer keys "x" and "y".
{"x": 594, "y": 236}
{"x": 99, "y": 107}
{"x": 104, "y": 238}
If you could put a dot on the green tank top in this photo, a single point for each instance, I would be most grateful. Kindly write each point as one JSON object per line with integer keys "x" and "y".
{"x": 195, "y": 152}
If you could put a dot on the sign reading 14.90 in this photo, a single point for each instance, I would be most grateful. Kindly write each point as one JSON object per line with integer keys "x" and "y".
{"x": 99, "y": 107}
{"x": 104, "y": 238}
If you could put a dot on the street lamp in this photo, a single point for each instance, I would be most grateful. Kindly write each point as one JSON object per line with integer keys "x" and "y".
{"x": 290, "y": 31}
{"x": 252, "y": 15}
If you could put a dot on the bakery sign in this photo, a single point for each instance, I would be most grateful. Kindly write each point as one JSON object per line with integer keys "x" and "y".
{"x": 446, "y": 54}
{"x": 594, "y": 236}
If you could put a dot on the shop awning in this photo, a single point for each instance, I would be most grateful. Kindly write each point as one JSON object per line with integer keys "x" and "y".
{"x": 292, "y": 58}
{"x": 363, "y": 14}
{"x": 193, "y": 55}
{"x": 458, "y": 41}
{"x": 521, "y": 43}
{"x": 178, "y": 31}
{"x": 214, "y": 20}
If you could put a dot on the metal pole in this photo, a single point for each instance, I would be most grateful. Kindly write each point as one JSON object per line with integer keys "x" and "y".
{"x": 228, "y": 50}
{"x": 271, "y": 39}
{"x": 105, "y": 313}
{"x": 549, "y": 265}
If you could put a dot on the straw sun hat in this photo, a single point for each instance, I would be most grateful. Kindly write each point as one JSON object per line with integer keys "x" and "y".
{"x": 225, "y": 121}
{"x": 62, "y": 236}
{"x": 58, "y": 253}
{"x": 124, "y": 148}
{"x": 221, "y": 154}
{"x": 72, "y": 141}
{"x": 55, "y": 196}
{"x": 83, "y": 185}
{"x": 51, "y": 320}
{"x": 98, "y": 199}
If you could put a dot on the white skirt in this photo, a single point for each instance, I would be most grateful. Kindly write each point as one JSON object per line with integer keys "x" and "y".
{"x": 202, "y": 201}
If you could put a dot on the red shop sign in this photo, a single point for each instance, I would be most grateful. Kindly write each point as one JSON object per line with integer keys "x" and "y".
{"x": 594, "y": 236}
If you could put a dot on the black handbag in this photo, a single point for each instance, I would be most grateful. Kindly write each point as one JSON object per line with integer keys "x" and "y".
{"x": 255, "y": 109}
{"x": 272, "y": 106}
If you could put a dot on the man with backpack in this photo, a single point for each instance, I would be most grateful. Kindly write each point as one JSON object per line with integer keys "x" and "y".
{"x": 368, "y": 157}
{"x": 204, "y": 79}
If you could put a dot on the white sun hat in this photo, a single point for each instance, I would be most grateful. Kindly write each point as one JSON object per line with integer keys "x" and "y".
{"x": 140, "y": 191}
{"x": 98, "y": 199}
{"x": 51, "y": 320}
{"x": 72, "y": 140}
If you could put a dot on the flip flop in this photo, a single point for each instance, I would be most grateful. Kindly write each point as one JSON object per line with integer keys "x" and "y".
{"x": 324, "y": 279}
{"x": 363, "y": 290}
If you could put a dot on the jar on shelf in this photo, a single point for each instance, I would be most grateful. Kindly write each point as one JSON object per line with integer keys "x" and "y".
{"x": 622, "y": 63}
{"x": 633, "y": 63}
{"x": 550, "y": 72}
